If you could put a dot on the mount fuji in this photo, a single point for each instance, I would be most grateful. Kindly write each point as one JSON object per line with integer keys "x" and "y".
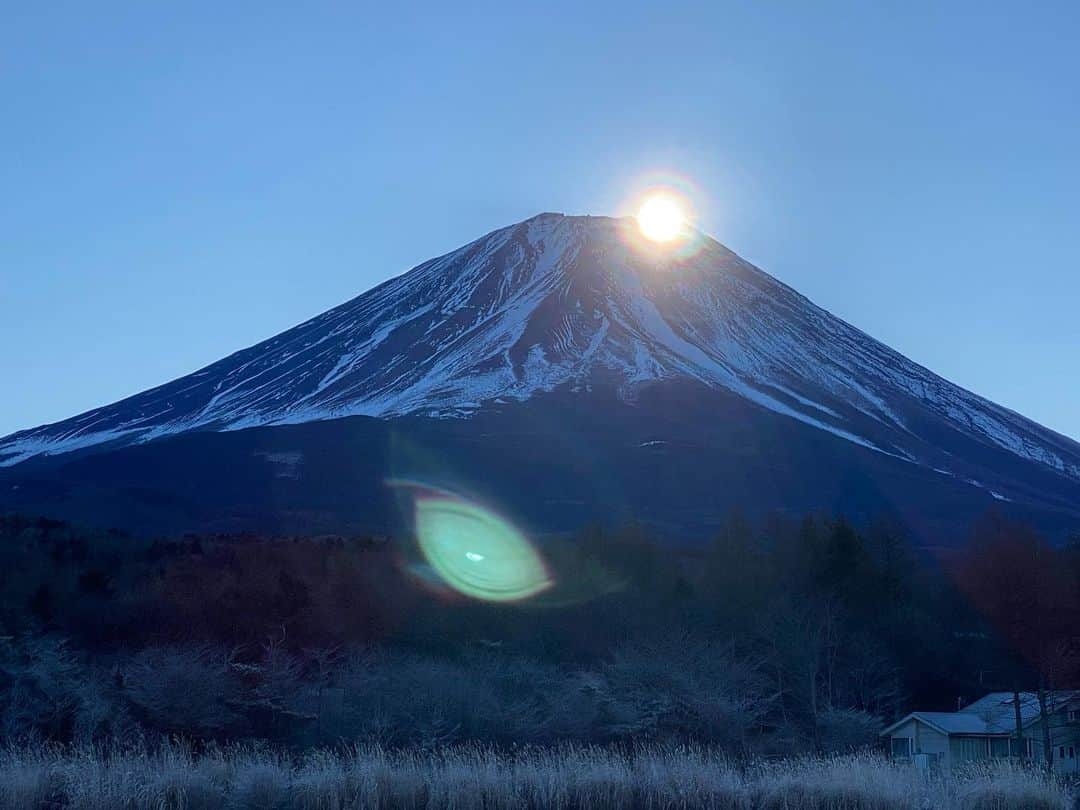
{"x": 567, "y": 370}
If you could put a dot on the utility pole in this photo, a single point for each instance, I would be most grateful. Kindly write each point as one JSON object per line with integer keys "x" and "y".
{"x": 1044, "y": 717}
{"x": 1020, "y": 747}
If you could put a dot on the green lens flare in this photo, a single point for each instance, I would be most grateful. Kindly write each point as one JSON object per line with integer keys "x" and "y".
{"x": 476, "y": 552}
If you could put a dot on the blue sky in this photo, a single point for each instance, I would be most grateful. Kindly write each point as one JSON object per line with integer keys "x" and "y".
{"x": 178, "y": 183}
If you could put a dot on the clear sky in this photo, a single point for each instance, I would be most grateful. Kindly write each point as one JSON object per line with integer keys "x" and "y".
{"x": 178, "y": 183}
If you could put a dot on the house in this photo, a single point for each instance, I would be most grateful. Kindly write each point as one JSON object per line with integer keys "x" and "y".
{"x": 986, "y": 730}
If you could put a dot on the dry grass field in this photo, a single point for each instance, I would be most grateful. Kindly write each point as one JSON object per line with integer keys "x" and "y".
{"x": 473, "y": 777}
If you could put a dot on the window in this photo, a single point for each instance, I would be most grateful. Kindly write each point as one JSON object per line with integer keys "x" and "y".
{"x": 900, "y": 747}
{"x": 1072, "y": 752}
{"x": 1061, "y": 752}
{"x": 1073, "y": 715}
{"x": 969, "y": 749}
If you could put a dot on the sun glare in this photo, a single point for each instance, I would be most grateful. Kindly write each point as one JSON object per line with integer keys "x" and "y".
{"x": 661, "y": 218}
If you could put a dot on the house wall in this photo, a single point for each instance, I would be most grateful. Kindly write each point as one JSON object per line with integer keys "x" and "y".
{"x": 925, "y": 740}
{"x": 1067, "y": 754}
{"x": 1063, "y": 735}
{"x": 931, "y": 741}
{"x": 906, "y": 731}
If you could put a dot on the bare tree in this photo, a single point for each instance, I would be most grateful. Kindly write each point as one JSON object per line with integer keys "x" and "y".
{"x": 1025, "y": 590}
{"x": 184, "y": 688}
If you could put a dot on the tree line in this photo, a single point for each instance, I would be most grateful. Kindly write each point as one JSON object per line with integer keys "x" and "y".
{"x": 785, "y": 636}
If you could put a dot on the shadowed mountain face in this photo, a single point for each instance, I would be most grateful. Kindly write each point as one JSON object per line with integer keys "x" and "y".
{"x": 574, "y": 317}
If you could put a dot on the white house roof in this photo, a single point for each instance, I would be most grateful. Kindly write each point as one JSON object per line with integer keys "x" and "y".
{"x": 993, "y": 714}
{"x": 998, "y": 704}
{"x": 952, "y": 723}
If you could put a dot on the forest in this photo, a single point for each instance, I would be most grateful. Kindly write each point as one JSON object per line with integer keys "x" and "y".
{"x": 794, "y": 636}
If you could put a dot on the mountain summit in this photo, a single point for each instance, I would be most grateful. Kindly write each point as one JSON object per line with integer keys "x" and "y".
{"x": 583, "y": 308}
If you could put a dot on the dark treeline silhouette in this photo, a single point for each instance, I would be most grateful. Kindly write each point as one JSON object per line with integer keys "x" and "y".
{"x": 789, "y": 636}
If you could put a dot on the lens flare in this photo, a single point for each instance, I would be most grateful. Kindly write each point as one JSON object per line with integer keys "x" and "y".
{"x": 476, "y": 552}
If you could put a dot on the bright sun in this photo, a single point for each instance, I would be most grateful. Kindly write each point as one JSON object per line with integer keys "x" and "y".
{"x": 661, "y": 218}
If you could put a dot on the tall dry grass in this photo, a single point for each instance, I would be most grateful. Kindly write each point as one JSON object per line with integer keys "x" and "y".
{"x": 468, "y": 778}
